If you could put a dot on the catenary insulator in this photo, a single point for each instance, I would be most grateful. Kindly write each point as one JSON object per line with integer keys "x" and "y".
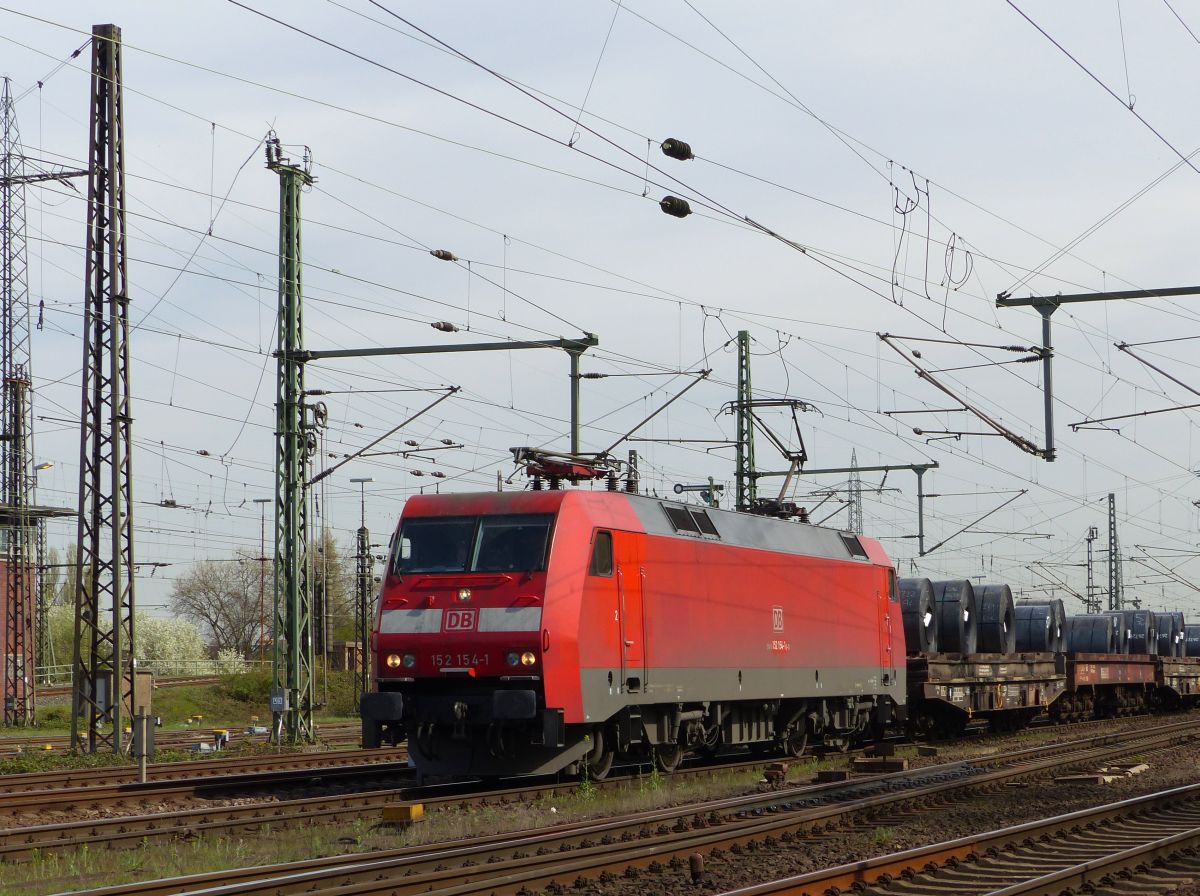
{"x": 443, "y": 254}
{"x": 677, "y": 149}
{"x": 676, "y": 207}
{"x": 445, "y": 326}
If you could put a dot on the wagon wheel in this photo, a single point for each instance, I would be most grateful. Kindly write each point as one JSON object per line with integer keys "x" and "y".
{"x": 598, "y": 762}
{"x": 667, "y": 757}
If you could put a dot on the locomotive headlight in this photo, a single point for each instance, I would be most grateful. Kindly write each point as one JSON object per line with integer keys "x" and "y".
{"x": 513, "y": 658}
{"x": 393, "y": 661}
{"x": 464, "y": 594}
{"x": 528, "y": 659}
{"x": 409, "y": 661}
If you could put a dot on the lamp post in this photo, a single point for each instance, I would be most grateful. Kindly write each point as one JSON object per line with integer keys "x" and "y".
{"x": 362, "y": 630}
{"x": 262, "y": 573}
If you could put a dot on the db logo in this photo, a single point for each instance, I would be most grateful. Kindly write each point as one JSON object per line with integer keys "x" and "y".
{"x": 459, "y": 620}
{"x": 777, "y": 618}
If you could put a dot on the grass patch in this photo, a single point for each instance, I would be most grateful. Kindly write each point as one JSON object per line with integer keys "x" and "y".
{"x": 883, "y": 836}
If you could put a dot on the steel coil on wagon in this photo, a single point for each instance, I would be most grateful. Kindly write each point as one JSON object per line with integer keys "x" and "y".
{"x": 1191, "y": 640}
{"x": 1180, "y": 633}
{"x": 920, "y": 620}
{"x": 957, "y": 618}
{"x": 1057, "y": 640}
{"x": 1039, "y": 629}
{"x": 1168, "y": 625}
{"x": 1143, "y": 633}
{"x": 1095, "y": 633}
{"x": 997, "y": 631}
{"x": 1122, "y": 629}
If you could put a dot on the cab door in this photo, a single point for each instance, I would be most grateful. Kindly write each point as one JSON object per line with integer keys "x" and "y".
{"x": 631, "y": 608}
{"x": 888, "y": 600}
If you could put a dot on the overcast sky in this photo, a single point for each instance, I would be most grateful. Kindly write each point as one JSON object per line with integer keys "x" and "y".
{"x": 915, "y": 160}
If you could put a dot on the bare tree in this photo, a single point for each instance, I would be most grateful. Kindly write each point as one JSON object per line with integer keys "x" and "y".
{"x": 222, "y": 598}
{"x": 333, "y": 590}
{"x": 64, "y": 594}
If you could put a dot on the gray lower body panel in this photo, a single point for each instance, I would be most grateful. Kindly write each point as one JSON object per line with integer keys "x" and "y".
{"x": 604, "y": 693}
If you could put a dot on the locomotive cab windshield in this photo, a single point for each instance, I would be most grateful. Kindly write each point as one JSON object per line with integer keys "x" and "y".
{"x": 502, "y": 543}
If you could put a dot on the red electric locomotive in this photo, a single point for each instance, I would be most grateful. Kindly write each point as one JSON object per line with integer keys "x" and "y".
{"x": 542, "y": 631}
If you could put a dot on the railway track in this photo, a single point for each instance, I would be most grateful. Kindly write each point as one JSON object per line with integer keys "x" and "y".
{"x": 52, "y": 785}
{"x": 17, "y": 843}
{"x": 170, "y": 740}
{"x": 1122, "y": 846}
{"x": 122, "y": 797}
{"x": 507, "y": 863}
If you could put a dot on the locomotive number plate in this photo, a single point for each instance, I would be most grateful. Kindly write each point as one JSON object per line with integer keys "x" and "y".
{"x": 459, "y": 660}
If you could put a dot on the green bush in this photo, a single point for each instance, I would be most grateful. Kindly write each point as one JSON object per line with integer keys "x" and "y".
{"x": 59, "y": 714}
{"x": 343, "y": 695}
{"x": 253, "y": 686}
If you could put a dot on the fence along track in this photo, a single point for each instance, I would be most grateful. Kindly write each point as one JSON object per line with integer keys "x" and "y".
{"x": 506, "y": 863}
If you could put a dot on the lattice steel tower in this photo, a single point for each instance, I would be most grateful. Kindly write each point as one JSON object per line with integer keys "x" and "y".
{"x": 293, "y": 693}
{"x": 856, "y": 515}
{"x": 18, "y": 531}
{"x": 1116, "y": 589}
{"x": 362, "y": 609}
{"x": 747, "y": 482}
{"x": 104, "y": 654}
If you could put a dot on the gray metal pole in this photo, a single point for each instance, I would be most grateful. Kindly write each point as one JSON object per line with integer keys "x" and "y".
{"x": 920, "y": 471}
{"x": 1047, "y": 376}
{"x": 574, "y": 354}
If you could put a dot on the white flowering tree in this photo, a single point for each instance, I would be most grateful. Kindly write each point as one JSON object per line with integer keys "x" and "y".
{"x": 167, "y": 646}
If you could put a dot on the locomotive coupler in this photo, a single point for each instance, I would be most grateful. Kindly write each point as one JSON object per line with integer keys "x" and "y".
{"x": 461, "y": 711}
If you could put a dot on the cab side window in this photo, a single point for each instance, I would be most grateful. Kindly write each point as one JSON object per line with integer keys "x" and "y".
{"x": 602, "y": 555}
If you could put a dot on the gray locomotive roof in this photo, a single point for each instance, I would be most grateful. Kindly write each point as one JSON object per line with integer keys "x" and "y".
{"x": 747, "y": 530}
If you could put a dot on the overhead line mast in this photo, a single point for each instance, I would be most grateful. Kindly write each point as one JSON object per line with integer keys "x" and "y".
{"x": 103, "y": 655}
{"x": 292, "y": 692}
{"x": 16, "y": 430}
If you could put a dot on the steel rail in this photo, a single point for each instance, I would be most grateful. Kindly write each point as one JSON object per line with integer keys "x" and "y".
{"x": 167, "y": 740}
{"x": 1038, "y": 857}
{"x": 21, "y": 842}
{"x": 505, "y": 863}
{"x": 52, "y": 783}
{"x": 218, "y": 786}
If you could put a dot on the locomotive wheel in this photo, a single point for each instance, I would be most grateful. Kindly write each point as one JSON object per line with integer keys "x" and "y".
{"x": 599, "y": 762}
{"x": 795, "y": 742}
{"x": 667, "y": 757}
